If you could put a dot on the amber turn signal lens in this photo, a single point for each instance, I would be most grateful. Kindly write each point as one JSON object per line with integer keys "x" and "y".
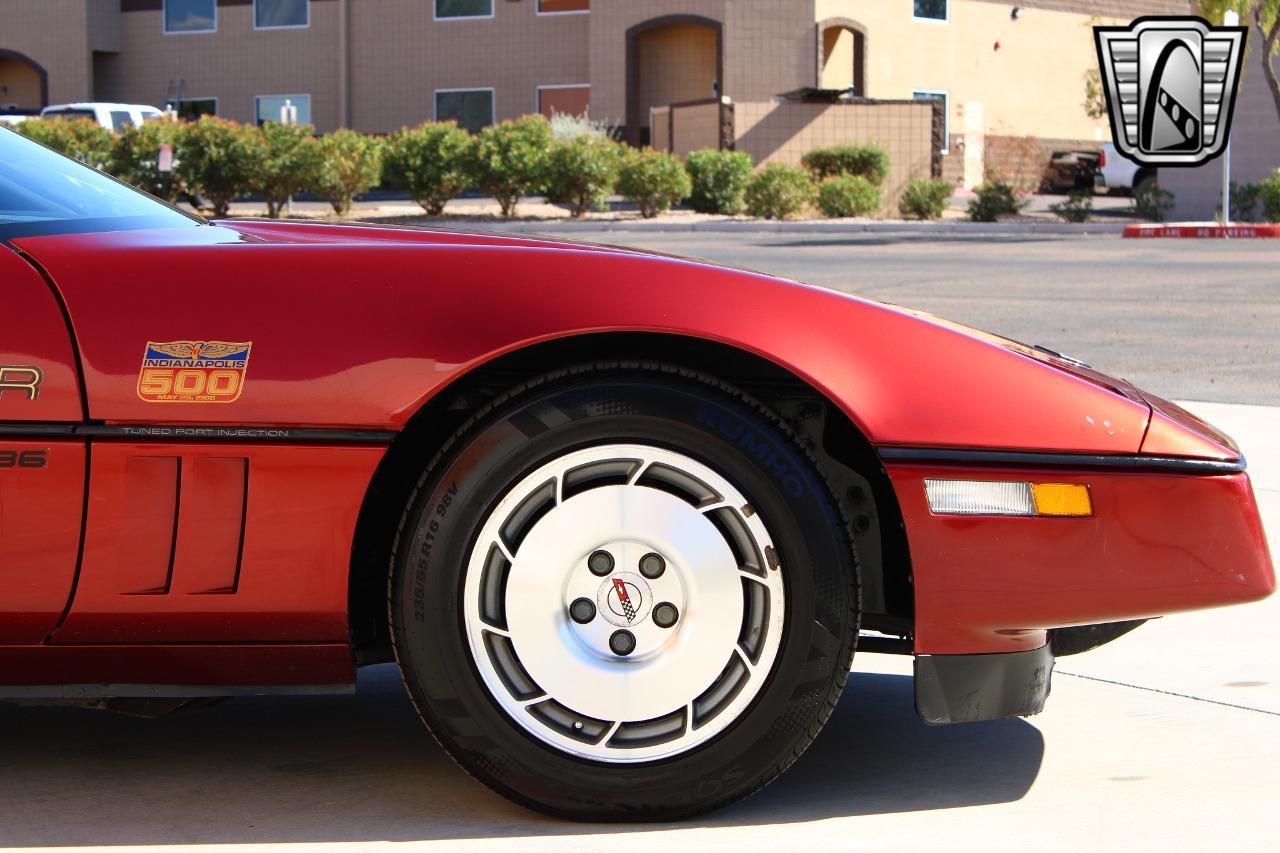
{"x": 1062, "y": 499}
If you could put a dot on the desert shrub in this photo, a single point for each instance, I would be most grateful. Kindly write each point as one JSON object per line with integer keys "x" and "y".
{"x": 1151, "y": 202}
{"x": 81, "y": 138}
{"x": 1077, "y": 208}
{"x": 431, "y": 162}
{"x": 290, "y": 163}
{"x": 220, "y": 160}
{"x": 654, "y": 180}
{"x": 135, "y": 157}
{"x": 847, "y": 195}
{"x": 925, "y": 198}
{"x": 778, "y": 191}
{"x": 1269, "y": 193}
{"x": 582, "y": 172}
{"x": 509, "y": 160}
{"x": 865, "y": 161}
{"x": 994, "y": 199}
{"x": 565, "y": 126}
{"x": 718, "y": 180}
{"x": 350, "y": 163}
{"x": 1244, "y": 201}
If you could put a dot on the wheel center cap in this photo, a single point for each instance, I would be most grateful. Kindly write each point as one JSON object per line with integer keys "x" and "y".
{"x": 624, "y": 599}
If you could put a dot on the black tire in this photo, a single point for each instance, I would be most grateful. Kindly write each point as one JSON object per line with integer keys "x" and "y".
{"x": 639, "y": 403}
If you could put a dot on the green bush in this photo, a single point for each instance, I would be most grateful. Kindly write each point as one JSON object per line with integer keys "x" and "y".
{"x": 565, "y": 126}
{"x": 866, "y": 161}
{"x": 1269, "y": 191}
{"x": 1244, "y": 201}
{"x": 847, "y": 195}
{"x": 994, "y": 199}
{"x": 350, "y": 163}
{"x": 135, "y": 157}
{"x": 583, "y": 171}
{"x": 654, "y": 180}
{"x": 1151, "y": 202}
{"x": 290, "y": 163}
{"x": 81, "y": 138}
{"x": 1077, "y": 208}
{"x": 431, "y": 161}
{"x": 718, "y": 180}
{"x": 778, "y": 191}
{"x": 509, "y": 160}
{"x": 925, "y": 198}
{"x": 219, "y": 159}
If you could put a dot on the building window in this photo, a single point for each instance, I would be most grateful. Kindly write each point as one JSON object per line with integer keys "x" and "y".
{"x": 563, "y": 7}
{"x": 274, "y": 14}
{"x": 573, "y": 99}
{"x": 937, "y": 95}
{"x": 190, "y": 16}
{"x": 930, "y": 10}
{"x": 472, "y": 109}
{"x": 267, "y": 107}
{"x": 192, "y": 108}
{"x": 463, "y": 9}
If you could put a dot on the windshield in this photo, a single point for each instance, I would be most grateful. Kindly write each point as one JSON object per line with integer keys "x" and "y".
{"x": 45, "y": 193}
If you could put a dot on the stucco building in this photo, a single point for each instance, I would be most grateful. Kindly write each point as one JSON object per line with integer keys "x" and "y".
{"x": 996, "y": 68}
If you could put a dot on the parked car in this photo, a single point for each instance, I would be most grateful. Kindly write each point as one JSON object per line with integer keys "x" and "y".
{"x": 1070, "y": 170}
{"x": 1117, "y": 173}
{"x": 110, "y": 116}
{"x": 13, "y": 119}
{"x": 619, "y": 518}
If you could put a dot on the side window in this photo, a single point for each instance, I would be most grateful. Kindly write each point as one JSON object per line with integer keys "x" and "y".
{"x": 120, "y": 119}
{"x": 463, "y": 9}
{"x": 472, "y": 109}
{"x": 269, "y": 107}
{"x": 190, "y": 16}
{"x": 272, "y": 14}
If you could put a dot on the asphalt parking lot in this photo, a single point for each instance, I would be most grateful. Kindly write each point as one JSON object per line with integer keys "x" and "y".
{"x": 1168, "y": 739}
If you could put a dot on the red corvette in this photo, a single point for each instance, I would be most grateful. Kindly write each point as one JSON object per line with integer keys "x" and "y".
{"x": 620, "y": 519}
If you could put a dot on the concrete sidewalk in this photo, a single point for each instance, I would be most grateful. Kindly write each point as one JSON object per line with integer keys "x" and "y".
{"x": 1168, "y": 739}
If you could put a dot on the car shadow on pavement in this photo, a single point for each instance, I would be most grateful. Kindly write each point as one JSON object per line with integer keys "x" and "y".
{"x": 362, "y": 768}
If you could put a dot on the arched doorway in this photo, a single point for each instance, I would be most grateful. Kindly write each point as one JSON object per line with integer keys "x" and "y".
{"x": 670, "y": 60}
{"x": 24, "y": 84}
{"x": 842, "y": 55}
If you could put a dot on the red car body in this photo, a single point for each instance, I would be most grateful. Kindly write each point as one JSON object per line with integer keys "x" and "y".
{"x": 174, "y": 547}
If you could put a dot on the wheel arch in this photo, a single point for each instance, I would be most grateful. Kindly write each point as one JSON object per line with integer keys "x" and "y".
{"x": 842, "y": 451}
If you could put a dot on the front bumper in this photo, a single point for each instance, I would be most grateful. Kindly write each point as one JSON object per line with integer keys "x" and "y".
{"x": 1159, "y": 542}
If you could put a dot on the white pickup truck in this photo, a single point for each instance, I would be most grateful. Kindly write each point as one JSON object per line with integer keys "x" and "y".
{"x": 110, "y": 116}
{"x": 1117, "y": 173}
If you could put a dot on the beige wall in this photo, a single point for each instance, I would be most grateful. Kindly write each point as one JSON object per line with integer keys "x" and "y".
{"x": 19, "y": 85}
{"x": 1034, "y": 84}
{"x": 695, "y": 127}
{"x": 400, "y": 56}
{"x": 782, "y": 133}
{"x": 53, "y": 33}
{"x": 676, "y": 63}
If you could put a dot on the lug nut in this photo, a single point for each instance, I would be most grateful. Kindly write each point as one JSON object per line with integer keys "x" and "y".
{"x": 582, "y": 611}
{"x": 600, "y": 563}
{"x": 622, "y": 643}
{"x": 652, "y": 566}
{"x": 665, "y": 614}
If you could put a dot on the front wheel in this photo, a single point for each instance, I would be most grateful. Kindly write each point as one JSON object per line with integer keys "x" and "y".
{"x": 624, "y": 594}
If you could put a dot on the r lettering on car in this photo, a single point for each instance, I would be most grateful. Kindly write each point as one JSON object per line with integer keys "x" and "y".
{"x": 24, "y": 379}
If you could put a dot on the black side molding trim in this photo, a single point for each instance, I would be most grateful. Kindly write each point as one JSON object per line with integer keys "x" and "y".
{"x": 1033, "y": 459}
{"x": 968, "y": 688}
{"x": 219, "y": 433}
{"x": 168, "y": 691}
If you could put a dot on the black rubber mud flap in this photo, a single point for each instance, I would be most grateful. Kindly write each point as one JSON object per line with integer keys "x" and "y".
{"x": 968, "y": 688}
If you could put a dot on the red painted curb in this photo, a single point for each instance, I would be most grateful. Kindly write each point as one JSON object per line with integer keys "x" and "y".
{"x": 1234, "y": 232}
